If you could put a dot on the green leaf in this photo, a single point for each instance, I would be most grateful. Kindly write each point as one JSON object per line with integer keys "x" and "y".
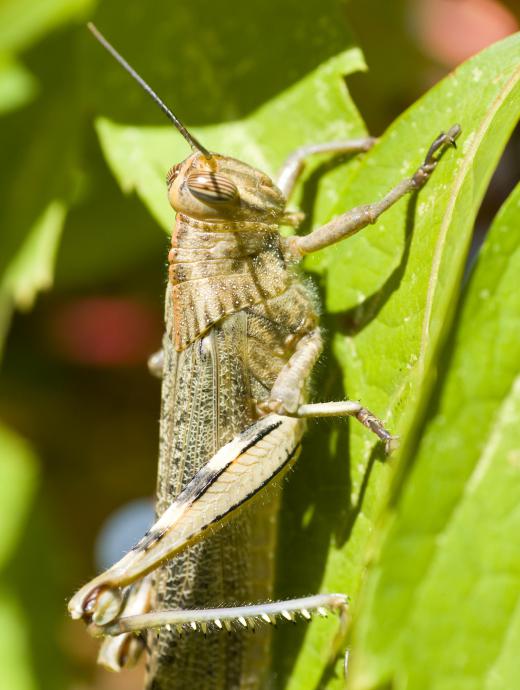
{"x": 15, "y": 657}
{"x": 17, "y": 85}
{"x": 211, "y": 63}
{"x": 18, "y": 479}
{"x": 36, "y": 145}
{"x": 31, "y": 270}
{"x": 141, "y": 156}
{"x": 18, "y": 473}
{"x": 440, "y": 609}
{"x": 30, "y": 560}
{"x": 23, "y": 21}
{"x": 404, "y": 273}
{"x": 40, "y": 143}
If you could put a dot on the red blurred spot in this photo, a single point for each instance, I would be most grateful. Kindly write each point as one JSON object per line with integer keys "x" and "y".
{"x": 451, "y": 31}
{"x": 106, "y": 331}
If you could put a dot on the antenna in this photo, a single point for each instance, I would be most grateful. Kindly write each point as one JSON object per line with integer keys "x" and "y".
{"x": 178, "y": 124}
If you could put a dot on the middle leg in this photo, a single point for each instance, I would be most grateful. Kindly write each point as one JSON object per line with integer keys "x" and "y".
{"x": 288, "y": 392}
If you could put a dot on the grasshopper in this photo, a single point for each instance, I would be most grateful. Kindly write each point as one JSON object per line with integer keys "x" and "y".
{"x": 241, "y": 340}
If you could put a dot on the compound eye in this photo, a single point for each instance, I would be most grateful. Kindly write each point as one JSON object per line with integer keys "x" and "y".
{"x": 172, "y": 174}
{"x": 212, "y": 188}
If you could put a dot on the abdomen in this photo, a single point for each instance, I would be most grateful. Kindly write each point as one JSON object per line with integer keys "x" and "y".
{"x": 206, "y": 402}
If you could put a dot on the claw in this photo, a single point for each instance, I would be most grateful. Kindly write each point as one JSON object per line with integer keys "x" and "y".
{"x": 453, "y": 133}
{"x": 444, "y": 138}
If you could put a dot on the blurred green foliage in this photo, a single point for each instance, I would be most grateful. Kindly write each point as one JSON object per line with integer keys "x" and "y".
{"x": 273, "y": 74}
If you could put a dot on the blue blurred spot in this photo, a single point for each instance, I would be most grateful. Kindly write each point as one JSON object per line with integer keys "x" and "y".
{"x": 123, "y": 528}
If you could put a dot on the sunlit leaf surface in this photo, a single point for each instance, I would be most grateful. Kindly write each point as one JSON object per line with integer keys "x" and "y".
{"x": 441, "y": 605}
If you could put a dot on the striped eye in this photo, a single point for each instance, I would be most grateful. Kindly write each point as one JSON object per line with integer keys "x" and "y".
{"x": 172, "y": 174}
{"x": 212, "y": 187}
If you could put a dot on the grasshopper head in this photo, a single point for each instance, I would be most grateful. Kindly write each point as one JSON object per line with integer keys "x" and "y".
{"x": 222, "y": 188}
{"x": 208, "y": 186}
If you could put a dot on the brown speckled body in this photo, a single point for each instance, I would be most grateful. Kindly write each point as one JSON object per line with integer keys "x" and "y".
{"x": 234, "y": 312}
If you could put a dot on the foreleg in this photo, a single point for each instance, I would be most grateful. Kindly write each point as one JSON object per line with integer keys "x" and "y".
{"x": 353, "y": 221}
{"x": 295, "y": 163}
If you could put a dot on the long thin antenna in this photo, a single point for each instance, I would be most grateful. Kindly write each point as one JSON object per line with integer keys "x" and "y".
{"x": 196, "y": 145}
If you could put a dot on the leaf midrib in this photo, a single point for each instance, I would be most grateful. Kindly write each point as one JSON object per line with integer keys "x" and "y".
{"x": 459, "y": 180}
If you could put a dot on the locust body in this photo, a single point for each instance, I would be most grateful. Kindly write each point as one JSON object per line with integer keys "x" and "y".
{"x": 232, "y": 313}
{"x": 241, "y": 340}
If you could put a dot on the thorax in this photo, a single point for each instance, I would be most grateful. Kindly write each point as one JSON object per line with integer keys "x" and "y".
{"x": 219, "y": 268}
